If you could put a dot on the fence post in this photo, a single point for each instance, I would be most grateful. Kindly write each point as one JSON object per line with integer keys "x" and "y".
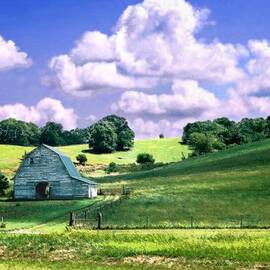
{"x": 72, "y": 219}
{"x": 99, "y": 219}
{"x": 241, "y": 222}
{"x": 147, "y": 222}
{"x": 123, "y": 190}
{"x": 85, "y": 215}
{"x": 191, "y": 222}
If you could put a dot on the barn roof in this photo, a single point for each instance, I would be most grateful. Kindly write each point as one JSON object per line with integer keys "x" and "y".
{"x": 72, "y": 171}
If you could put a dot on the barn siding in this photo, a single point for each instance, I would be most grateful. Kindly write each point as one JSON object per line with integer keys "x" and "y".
{"x": 47, "y": 167}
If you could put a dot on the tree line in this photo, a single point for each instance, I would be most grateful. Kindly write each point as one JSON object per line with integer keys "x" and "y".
{"x": 109, "y": 134}
{"x": 208, "y": 136}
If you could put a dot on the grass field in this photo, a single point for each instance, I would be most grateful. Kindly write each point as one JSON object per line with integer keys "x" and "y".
{"x": 18, "y": 215}
{"x": 165, "y": 150}
{"x": 173, "y": 249}
{"x": 215, "y": 190}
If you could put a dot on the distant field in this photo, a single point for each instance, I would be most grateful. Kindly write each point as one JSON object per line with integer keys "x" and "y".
{"x": 165, "y": 150}
{"x": 144, "y": 249}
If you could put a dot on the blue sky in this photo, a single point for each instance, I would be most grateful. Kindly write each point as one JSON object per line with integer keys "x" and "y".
{"x": 47, "y": 29}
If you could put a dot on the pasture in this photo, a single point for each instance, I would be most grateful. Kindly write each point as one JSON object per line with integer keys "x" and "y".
{"x": 163, "y": 150}
{"x": 146, "y": 249}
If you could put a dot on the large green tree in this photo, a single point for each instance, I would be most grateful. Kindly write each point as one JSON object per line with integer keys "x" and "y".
{"x": 102, "y": 137}
{"x": 109, "y": 134}
{"x": 52, "y": 134}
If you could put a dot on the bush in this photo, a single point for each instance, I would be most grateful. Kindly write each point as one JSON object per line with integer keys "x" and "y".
{"x": 112, "y": 167}
{"x": 4, "y": 184}
{"x": 82, "y": 159}
{"x": 145, "y": 158}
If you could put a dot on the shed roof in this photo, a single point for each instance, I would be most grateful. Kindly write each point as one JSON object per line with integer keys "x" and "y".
{"x": 72, "y": 171}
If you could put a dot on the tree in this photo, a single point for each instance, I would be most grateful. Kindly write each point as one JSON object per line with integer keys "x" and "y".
{"x": 52, "y": 134}
{"x": 125, "y": 135}
{"x": 202, "y": 143}
{"x": 145, "y": 158}
{"x": 161, "y": 136}
{"x": 4, "y": 184}
{"x": 109, "y": 134}
{"x": 102, "y": 137}
{"x": 17, "y": 132}
{"x": 82, "y": 159}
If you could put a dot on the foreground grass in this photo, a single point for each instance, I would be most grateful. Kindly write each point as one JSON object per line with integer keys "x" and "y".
{"x": 215, "y": 190}
{"x": 177, "y": 249}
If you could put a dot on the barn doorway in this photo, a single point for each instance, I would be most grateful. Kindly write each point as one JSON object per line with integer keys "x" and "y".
{"x": 43, "y": 190}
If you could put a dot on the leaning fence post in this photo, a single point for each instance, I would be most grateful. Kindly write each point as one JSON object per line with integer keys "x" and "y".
{"x": 99, "y": 218}
{"x": 71, "y": 219}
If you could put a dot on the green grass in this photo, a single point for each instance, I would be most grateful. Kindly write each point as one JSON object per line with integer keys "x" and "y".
{"x": 54, "y": 214}
{"x": 216, "y": 190}
{"x": 152, "y": 249}
{"x": 163, "y": 150}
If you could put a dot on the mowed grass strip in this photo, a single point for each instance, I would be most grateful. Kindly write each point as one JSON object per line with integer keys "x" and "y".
{"x": 222, "y": 248}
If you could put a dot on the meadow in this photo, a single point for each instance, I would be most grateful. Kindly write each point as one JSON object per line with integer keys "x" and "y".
{"x": 146, "y": 249}
{"x": 216, "y": 190}
{"x": 163, "y": 150}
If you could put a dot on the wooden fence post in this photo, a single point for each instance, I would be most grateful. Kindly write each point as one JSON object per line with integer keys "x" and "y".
{"x": 241, "y": 222}
{"x": 85, "y": 215}
{"x": 72, "y": 219}
{"x": 191, "y": 222}
{"x": 99, "y": 219}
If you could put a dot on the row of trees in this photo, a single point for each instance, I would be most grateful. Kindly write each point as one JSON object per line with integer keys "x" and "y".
{"x": 18, "y": 132}
{"x": 109, "y": 134}
{"x": 208, "y": 136}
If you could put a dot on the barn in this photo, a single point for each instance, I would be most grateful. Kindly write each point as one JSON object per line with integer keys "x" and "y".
{"x": 46, "y": 173}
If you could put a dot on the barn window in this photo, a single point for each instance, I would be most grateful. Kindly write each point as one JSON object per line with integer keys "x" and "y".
{"x": 31, "y": 160}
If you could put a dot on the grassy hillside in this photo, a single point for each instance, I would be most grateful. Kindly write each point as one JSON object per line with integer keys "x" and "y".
{"x": 165, "y": 150}
{"x": 216, "y": 190}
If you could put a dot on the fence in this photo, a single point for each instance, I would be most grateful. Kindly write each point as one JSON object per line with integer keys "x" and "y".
{"x": 92, "y": 217}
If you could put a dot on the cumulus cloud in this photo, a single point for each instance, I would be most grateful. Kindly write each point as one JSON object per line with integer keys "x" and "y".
{"x": 153, "y": 40}
{"x": 47, "y": 109}
{"x": 187, "y": 99}
{"x": 11, "y": 56}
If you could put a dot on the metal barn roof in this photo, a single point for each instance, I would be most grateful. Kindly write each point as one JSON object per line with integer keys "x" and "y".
{"x": 73, "y": 172}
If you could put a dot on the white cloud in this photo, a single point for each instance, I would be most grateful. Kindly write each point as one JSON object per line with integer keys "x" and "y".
{"x": 47, "y": 109}
{"x": 154, "y": 40}
{"x": 186, "y": 99}
{"x": 82, "y": 80}
{"x": 11, "y": 56}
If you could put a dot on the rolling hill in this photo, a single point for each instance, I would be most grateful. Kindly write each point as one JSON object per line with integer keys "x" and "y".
{"x": 218, "y": 189}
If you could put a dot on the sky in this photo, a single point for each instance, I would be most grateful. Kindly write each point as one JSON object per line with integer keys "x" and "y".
{"x": 159, "y": 63}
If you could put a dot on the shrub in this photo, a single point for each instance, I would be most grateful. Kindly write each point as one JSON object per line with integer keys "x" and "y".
{"x": 145, "y": 158}
{"x": 82, "y": 159}
{"x": 112, "y": 167}
{"x": 4, "y": 184}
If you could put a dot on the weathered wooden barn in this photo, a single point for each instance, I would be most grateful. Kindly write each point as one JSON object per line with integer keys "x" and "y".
{"x": 46, "y": 173}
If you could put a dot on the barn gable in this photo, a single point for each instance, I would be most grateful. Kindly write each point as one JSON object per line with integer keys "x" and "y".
{"x": 47, "y": 173}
